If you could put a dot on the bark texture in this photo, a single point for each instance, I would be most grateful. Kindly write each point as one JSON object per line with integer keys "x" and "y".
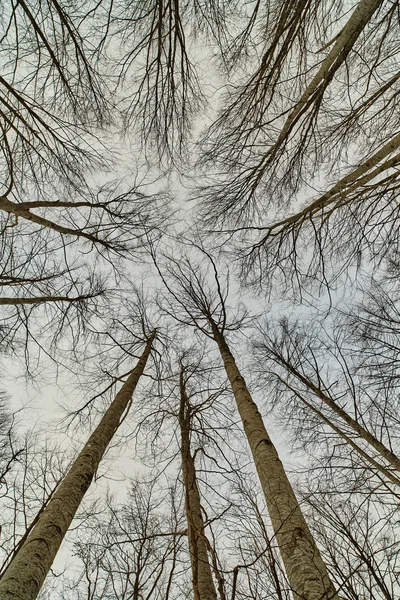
{"x": 305, "y": 569}
{"x": 41, "y": 299}
{"x": 26, "y": 573}
{"x": 23, "y": 211}
{"x": 203, "y": 583}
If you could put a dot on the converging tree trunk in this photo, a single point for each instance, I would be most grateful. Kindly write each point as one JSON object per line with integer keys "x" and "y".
{"x": 367, "y": 459}
{"x": 26, "y": 573}
{"x": 203, "y": 584}
{"x": 340, "y": 50}
{"x": 361, "y": 431}
{"x": 306, "y": 571}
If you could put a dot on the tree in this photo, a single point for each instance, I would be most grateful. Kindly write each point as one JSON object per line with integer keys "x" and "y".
{"x": 357, "y": 532}
{"x": 299, "y": 357}
{"x": 203, "y": 584}
{"x": 156, "y": 68}
{"x": 26, "y": 489}
{"x": 277, "y": 122}
{"x": 24, "y": 576}
{"x": 50, "y": 91}
{"x": 359, "y": 210}
{"x": 194, "y": 304}
{"x": 299, "y": 180}
{"x": 130, "y": 552}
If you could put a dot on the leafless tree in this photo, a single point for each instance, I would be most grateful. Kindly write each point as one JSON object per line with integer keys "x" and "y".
{"x": 26, "y": 487}
{"x": 51, "y": 90}
{"x": 317, "y": 389}
{"x": 192, "y": 301}
{"x": 156, "y": 66}
{"x": 131, "y": 550}
{"x": 28, "y": 568}
{"x": 275, "y": 127}
{"x": 357, "y": 216}
{"x": 260, "y": 572}
{"x": 359, "y": 539}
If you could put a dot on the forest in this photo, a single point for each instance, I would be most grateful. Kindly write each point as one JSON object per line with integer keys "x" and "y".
{"x": 200, "y": 299}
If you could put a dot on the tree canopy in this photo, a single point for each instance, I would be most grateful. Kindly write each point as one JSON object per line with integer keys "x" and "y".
{"x": 199, "y": 266}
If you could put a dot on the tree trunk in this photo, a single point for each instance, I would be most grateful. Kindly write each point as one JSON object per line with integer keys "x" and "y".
{"x": 26, "y": 573}
{"x": 338, "y": 54}
{"x": 367, "y": 458}
{"x": 203, "y": 583}
{"x": 41, "y": 299}
{"x": 305, "y": 569}
{"x": 359, "y": 429}
{"x": 13, "y": 208}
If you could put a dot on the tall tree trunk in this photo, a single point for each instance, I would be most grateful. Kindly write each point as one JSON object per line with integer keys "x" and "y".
{"x": 305, "y": 569}
{"x": 26, "y": 573}
{"x": 203, "y": 584}
{"x": 366, "y": 435}
{"x": 41, "y": 299}
{"x": 336, "y": 57}
{"x": 13, "y": 208}
{"x": 364, "y": 455}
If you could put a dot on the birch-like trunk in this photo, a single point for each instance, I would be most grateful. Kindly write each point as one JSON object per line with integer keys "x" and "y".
{"x": 306, "y": 571}
{"x": 42, "y": 299}
{"x": 203, "y": 584}
{"x": 26, "y": 573}
{"x": 23, "y": 211}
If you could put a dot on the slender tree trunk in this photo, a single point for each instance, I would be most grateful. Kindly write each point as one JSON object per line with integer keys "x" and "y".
{"x": 387, "y": 454}
{"x": 338, "y": 54}
{"x": 26, "y": 573}
{"x": 203, "y": 583}
{"x": 13, "y": 208}
{"x": 41, "y": 299}
{"x": 305, "y": 569}
{"x": 369, "y": 459}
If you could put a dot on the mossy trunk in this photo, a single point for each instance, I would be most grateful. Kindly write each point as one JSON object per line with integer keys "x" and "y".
{"x": 203, "y": 583}
{"x": 26, "y": 573}
{"x": 306, "y": 571}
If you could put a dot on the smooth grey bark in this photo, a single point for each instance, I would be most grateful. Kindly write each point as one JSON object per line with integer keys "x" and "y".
{"x": 203, "y": 583}
{"x": 306, "y": 571}
{"x": 41, "y": 299}
{"x": 23, "y": 210}
{"x": 26, "y": 573}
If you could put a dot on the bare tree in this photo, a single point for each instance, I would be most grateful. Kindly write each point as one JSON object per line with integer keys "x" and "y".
{"x": 356, "y": 215}
{"x": 131, "y": 550}
{"x": 105, "y": 220}
{"x": 24, "y": 576}
{"x": 26, "y": 488}
{"x": 50, "y": 90}
{"x": 156, "y": 67}
{"x": 203, "y": 584}
{"x": 358, "y": 535}
{"x": 192, "y": 302}
{"x": 260, "y": 573}
{"x": 298, "y": 369}
{"x": 275, "y": 128}
{"x": 7, "y": 452}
